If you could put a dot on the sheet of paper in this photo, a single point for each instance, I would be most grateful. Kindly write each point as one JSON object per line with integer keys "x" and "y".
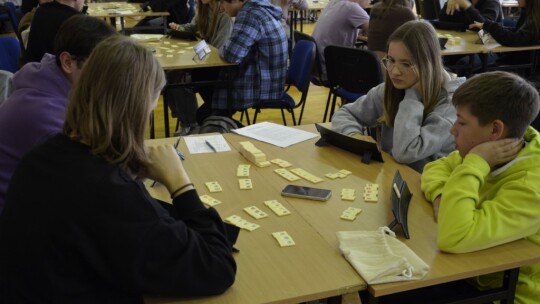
{"x": 200, "y": 144}
{"x": 275, "y": 134}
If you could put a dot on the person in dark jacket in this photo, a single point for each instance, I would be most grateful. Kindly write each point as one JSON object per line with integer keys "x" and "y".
{"x": 526, "y": 32}
{"x": 45, "y": 24}
{"x": 79, "y": 225}
{"x": 467, "y": 12}
{"x": 36, "y": 108}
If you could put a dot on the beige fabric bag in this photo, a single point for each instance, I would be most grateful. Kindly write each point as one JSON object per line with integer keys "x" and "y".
{"x": 379, "y": 257}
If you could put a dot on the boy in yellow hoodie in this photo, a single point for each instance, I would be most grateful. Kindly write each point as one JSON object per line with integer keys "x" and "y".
{"x": 487, "y": 192}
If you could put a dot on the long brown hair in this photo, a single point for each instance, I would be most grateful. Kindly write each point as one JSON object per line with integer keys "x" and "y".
{"x": 532, "y": 15}
{"x": 110, "y": 104}
{"x": 380, "y": 10}
{"x": 420, "y": 39}
{"x": 207, "y": 18}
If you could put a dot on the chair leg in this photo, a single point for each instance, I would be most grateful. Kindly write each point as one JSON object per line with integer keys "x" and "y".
{"x": 242, "y": 116}
{"x": 247, "y": 117}
{"x": 302, "y": 112}
{"x": 255, "y": 116}
{"x": 332, "y": 107}
{"x": 283, "y": 116}
{"x": 327, "y": 103}
{"x": 152, "y": 129}
{"x": 293, "y": 119}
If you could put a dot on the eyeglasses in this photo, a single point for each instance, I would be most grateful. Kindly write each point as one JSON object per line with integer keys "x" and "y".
{"x": 390, "y": 63}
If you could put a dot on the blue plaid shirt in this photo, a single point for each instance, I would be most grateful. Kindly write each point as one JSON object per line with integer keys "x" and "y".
{"x": 258, "y": 44}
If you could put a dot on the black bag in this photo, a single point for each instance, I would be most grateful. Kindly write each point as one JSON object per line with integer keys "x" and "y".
{"x": 219, "y": 124}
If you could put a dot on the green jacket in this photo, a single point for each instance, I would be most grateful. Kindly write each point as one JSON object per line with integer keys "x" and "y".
{"x": 481, "y": 208}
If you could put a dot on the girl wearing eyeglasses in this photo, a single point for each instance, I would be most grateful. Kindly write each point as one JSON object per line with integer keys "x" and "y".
{"x": 412, "y": 108}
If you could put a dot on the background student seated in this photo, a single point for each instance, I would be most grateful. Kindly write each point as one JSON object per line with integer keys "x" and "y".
{"x": 213, "y": 25}
{"x": 467, "y": 12}
{"x": 258, "y": 45}
{"x": 45, "y": 24}
{"x": 79, "y": 225}
{"x": 384, "y": 18}
{"x": 338, "y": 24}
{"x": 36, "y": 109}
{"x": 487, "y": 192}
{"x": 412, "y": 108}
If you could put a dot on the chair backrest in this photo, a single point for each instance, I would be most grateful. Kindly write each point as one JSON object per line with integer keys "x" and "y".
{"x": 12, "y": 12}
{"x": 10, "y": 50}
{"x": 301, "y": 64}
{"x": 352, "y": 69}
{"x": 316, "y": 72}
{"x": 429, "y": 9}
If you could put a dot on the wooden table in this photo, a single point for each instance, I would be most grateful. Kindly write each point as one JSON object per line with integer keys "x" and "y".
{"x": 471, "y": 45}
{"x": 266, "y": 273}
{"x": 176, "y": 54}
{"x": 112, "y": 10}
{"x": 314, "y": 267}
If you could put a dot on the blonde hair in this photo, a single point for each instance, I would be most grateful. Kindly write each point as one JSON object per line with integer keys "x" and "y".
{"x": 420, "y": 39}
{"x": 110, "y": 104}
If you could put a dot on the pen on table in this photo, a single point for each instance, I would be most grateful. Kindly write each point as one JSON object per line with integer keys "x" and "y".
{"x": 180, "y": 154}
{"x": 210, "y": 145}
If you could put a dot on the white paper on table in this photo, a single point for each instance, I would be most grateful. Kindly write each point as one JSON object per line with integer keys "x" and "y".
{"x": 275, "y": 134}
{"x": 198, "y": 145}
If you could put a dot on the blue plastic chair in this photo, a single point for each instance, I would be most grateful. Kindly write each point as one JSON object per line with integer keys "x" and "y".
{"x": 10, "y": 50}
{"x": 12, "y": 12}
{"x": 317, "y": 77}
{"x": 298, "y": 75}
{"x": 352, "y": 73}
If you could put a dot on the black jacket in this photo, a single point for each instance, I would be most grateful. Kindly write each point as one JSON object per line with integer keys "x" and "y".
{"x": 77, "y": 229}
{"x": 484, "y": 10}
{"x": 524, "y": 34}
{"x": 46, "y": 23}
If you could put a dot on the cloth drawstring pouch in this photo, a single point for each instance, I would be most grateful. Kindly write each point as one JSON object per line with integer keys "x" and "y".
{"x": 379, "y": 257}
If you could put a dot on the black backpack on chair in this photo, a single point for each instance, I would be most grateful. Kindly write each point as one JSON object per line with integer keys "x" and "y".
{"x": 219, "y": 124}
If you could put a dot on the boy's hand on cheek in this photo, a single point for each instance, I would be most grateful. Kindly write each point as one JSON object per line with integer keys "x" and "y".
{"x": 499, "y": 151}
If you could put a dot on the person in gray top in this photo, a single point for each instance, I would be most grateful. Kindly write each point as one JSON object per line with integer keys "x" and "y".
{"x": 412, "y": 109}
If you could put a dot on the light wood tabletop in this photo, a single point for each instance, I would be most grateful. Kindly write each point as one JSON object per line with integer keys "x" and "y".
{"x": 120, "y": 9}
{"x": 314, "y": 268}
{"x": 470, "y": 43}
{"x": 178, "y": 54}
{"x": 267, "y": 273}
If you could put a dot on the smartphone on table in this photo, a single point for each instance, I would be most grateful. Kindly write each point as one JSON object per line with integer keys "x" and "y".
{"x": 307, "y": 192}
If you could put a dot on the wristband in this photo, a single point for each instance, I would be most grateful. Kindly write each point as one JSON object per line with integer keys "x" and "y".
{"x": 181, "y": 188}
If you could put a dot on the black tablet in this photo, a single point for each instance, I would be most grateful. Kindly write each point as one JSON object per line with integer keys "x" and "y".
{"x": 181, "y": 34}
{"x": 368, "y": 150}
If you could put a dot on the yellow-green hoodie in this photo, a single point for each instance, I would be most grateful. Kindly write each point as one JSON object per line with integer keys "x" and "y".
{"x": 481, "y": 208}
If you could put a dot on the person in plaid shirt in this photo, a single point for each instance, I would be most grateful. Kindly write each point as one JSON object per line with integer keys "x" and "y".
{"x": 258, "y": 44}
